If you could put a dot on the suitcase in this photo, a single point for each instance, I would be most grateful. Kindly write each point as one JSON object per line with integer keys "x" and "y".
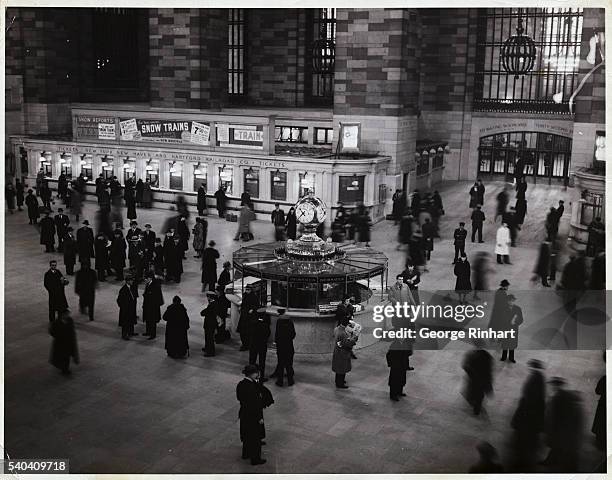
{"x": 234, "y": 218}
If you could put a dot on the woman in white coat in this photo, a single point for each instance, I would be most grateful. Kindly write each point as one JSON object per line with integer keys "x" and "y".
{"x": 502, "y": 244}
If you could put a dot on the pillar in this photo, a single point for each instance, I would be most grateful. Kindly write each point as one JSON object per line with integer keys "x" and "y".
{"x": 188, "y": 168}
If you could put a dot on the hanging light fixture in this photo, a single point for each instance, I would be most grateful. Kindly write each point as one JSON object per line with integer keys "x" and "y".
{"x": 518, "y": 53}
{"x": 417, "y": 155}
{"x": 104, "y": 162}
{"x": 43, "y": 158}
{"x": 83, "y": 162}
{"x": 432, "y": 151}
{"x": 172, "y": 167}
{"x": 276, "y": 176}
{"x": 196, "y": 170}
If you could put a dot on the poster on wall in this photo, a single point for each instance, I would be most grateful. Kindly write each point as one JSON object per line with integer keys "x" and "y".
{"x": 349, "y": 137}
{"x": 240, "y": 136}
{"x": 164, "y": 131}
{"x": 96, "y": 128}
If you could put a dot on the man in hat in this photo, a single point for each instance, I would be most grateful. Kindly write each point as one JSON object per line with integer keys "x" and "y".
{"x": 127, "y": 300}
{"x": 131, "y": 237}
{"x": 54, "y": 283}
{"x": 248, "y": 312}
{"x": 283, "y": 337}
{"x": 85, "y": 284}
{"x": 209, "y": 267}
{"x": 478, "y": 218}
{"x": 278, "y": 220}
{"x": 500, "y": 310}
{"x": 32, "y": 203}
{"x": 459, "y": 235}
{"x": 62, "y": 222}
{"x": 515, "y": 319}
{"x": 259, "y": 331}
{"x": 528, "y": 419}
{"x": 47, "y": 232}
{"x": 210, "y": 324}
{"x": 248, "y": 393}
{"x": 148, "y": 237}
{"x": 152, "y": 300}
{"x": 85, "y": 243}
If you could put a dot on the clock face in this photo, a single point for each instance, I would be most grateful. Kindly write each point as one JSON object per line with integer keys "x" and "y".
{"x": 320, "y": 213}
{"x": 305, "y": 212}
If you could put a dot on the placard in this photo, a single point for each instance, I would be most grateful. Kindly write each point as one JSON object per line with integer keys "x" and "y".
{"x": 164, "y": 131}
{"x": 349, "y": 137}
{"x": 93, "y": 127}
{"x": 240, "y": 136}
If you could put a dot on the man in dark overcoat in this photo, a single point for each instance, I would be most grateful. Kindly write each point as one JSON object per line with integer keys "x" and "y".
{"x": 252, "y": 431}
{"x": 62, "y": 222}
{"x": 55, "y": 282}
{"x": 32, "y": 203}
{"x": 70, "y": 251}
{"x": 398, "y": 361}
{"x": 152, "y": 300}
{"x": 283, "y": 337}
{"x": 201, "y": 200}
{"x": 478, "y": 365}
{"x": 127, "y": 300}
{"x": 47, "y": 232}
{"x": 85, "y": 284}
{"x": 259, "y": 332}
{"x": 85, "y": 243}
{"x": 210, "y": 324}
{"x": 209, "y": 267}
{"x": 248, "y": 312}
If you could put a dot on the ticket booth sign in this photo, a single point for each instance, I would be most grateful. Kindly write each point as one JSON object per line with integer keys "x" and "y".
{"x": 240, "y": 136}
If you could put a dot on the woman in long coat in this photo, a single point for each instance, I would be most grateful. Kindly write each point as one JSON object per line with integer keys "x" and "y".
{"x": 64, "y": 345}
{"x": 291, "y": 224}
{"x": 463, "y": 284}
{"x": 152, "y": 300}
{"x": 199, "y": 237}
{"x": 177, "y": 324}
{"x": 19, "y": 187}
{"x": 343, "y": 347}
{"x": 474, "y": 195}
{"x": 201, "y": 200}
{"x": 182, "y": 230}
{"x": 139, "y": 191}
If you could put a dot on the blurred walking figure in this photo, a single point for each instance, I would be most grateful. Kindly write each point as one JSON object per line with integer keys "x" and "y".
{"x": 244, "y": 223}
{"x": 399, "y": 203}
{"x": 542, "y": 267}
{"x": 278, "y": 220}
{"x": 502, "y": 203}
{"x": 528, "y": 419}
{"x": 515, "y": 319}
{"x": 199, "y": 236}
{"x": 70, "y": 251}
{"x": 47, "y": 232}
{"x": 202, "y": 200}
{"x": 19, "y": 189}
{"x": 474, "y": 196}
{"x": 429, "y": 232}
{"x": 32, "y": 203}
{"x": 64, "y": 345}
{"x": 488, "y": 461}
{"x": 597, "y": 238}
{"x": 9, "y": 196}
{"x": 564, "y": 428}
{"x": 85, "y": 284}
{"x": 221, "y": 199}
{"x": 480, "y": 273}
{"x": 291, "y": 224}
{"x": 437, "y": 211}
{"x": 478, "y": 365}
{"x": 283, "y": 337}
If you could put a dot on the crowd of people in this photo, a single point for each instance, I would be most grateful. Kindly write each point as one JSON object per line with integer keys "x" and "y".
{"x": 155, "y": 261}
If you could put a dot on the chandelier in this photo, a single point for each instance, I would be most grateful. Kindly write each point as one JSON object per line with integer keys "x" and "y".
{"x": 518, "y": 53}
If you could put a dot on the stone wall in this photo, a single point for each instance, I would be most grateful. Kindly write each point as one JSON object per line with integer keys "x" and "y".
{"x": 187, "y": 57}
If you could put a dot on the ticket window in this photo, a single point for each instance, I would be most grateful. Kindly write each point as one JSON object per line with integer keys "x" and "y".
{"x": 87, "y": 167}
{"x": 129, "y": 169}
{"x": 45, "y": 164}
{"x": 351, "y": 189}
{"x": 66, "y": 165}
{"x": 200, "y": 177}
{"x": 107, "y": 168}
{"x": 278, "y": 183}
{"x": 307, "y": 184}
{"x": 152, "y": 173}
{"x": 251, "y": 182}
{"x": 176, "y": 175}
{"x": 226, "y": 179}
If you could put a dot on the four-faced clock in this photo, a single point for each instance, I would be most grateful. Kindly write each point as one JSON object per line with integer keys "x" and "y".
{"x": 305, "y": 212}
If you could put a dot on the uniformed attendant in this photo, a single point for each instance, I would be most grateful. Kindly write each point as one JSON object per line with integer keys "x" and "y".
{"x": 152, "y": 300}
{"x": 70, "y": 251}
{"x": 62, "y": 222}
{"x": 55, "y": 282}
{"x": 283, "y": 337}
{"x": 85, "y": 287}
{"x": 47, "y": 232}
{"x": 459, "y": 235}
{"x": 127, "y": 300}
{"x": 259, "y": 332}
{"x": 248, "y": 393}
{"x": 210, "y": 324}
{"x": 398, "y": 361}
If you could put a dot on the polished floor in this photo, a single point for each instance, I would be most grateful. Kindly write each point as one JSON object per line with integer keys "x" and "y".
{"x": 128, "y": 408}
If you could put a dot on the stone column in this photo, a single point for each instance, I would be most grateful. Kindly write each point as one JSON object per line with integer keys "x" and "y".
{"x": 188, "y": 168}
{"x": 164, "y": 174}
{"x": 55, "y": 164}
{"x": 141, "y": 165}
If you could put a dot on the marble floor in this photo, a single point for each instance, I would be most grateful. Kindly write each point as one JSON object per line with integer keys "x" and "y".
{"x": 128, "y": 408}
